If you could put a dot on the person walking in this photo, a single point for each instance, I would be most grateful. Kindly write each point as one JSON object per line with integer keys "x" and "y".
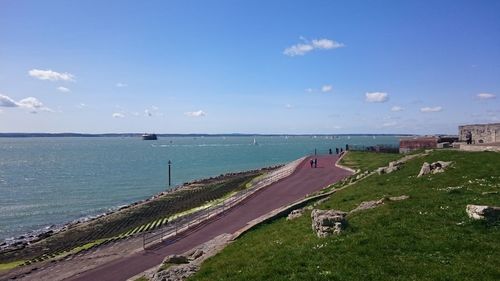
{"x": 330, "y": 151}
{"x": 315, "y": 162}
{"x": 337, "y": 150}
{"x": 468, "y": 137}
{"x": 311, "y": 162}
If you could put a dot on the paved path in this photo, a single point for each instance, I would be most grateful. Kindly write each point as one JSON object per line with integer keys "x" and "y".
{"x": 303, "y": 181}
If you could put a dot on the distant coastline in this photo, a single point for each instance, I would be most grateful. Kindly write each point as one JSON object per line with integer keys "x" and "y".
{"x": 138, "y": 135}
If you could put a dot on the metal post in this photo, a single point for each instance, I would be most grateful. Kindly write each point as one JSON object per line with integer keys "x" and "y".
{"x": 169, "y": 178}
{"x": 315, "y": 151}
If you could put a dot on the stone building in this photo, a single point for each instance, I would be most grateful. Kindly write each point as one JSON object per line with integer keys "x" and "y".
{"x": 410, "y": 144}
{"x": 481, "y": 133}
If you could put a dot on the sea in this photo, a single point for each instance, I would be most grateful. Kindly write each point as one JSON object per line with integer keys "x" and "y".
{"x": 46, "y": 182}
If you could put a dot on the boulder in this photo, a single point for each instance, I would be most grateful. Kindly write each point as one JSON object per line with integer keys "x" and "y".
{"x": 365, "y": 205}
{"x": 181, "y": 267}
{"x": 194, "y": 253}
{"x": 426, "y": 169}
{"x": 295, "y": 214}
{"x": 393, "y": 166}
{"x": 391, "y": 169}
{"x": 439, "y": 166}
{"x": 433, "y": 168}
{"x": 327, "y": 222}
{"x": 197, "y": 253}
{"x": 176, "y": 259}
{"x": 480, "y": 212}
{"x": 177, "y": 273}
{"x": 368, "y": 205}
{"x": 399, "y": 198}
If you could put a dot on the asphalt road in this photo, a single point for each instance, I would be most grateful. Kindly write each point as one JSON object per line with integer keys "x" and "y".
{"x": 303, "y": 181}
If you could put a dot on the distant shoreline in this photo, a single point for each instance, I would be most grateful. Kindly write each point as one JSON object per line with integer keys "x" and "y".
{"x": 42, "y": 135}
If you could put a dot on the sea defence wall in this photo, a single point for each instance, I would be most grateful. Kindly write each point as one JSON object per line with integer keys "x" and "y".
{"x": 477, "y": 147}
{"x": 197, "y": 219}
{"x": 481, "y": 133}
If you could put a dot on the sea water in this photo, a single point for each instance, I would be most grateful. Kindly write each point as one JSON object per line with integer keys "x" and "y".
{"x": 52, "y": 181}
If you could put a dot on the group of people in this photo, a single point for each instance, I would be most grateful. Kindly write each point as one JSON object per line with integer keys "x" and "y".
{"x": 337, "y": 150}
{"x": 314, "y": 163}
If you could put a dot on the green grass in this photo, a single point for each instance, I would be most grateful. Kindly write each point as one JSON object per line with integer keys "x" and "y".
{"x": 427, "y": 237}
{"x": 368, "y": 161}
{"x": 10, "y": 265}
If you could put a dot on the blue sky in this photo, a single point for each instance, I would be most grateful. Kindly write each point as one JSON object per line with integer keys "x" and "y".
{"x": 248, "y": 66}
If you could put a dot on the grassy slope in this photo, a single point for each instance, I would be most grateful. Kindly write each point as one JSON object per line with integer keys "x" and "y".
{"x": 427, "y": 237}
{"x": 368, "y": 161}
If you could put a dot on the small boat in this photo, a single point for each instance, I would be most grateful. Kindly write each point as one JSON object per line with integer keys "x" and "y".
{"x": 255, "y": 142}
{"x": 149, "y": 137}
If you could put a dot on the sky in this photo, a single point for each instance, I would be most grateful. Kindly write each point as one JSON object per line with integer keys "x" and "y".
{"x": 284, "y": 67}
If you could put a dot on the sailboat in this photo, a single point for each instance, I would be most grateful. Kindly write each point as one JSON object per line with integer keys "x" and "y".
{"x": 255, "y": 142}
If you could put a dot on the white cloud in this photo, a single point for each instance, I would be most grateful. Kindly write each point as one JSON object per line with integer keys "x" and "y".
{"x": 431, "y": 109}
{"x": 288, "y": 106}
{"x": 63, "y": 89}
{"x": 376, "y": 97}
{"x": 397, "y": 108}
{"x": 389, "y": 124}
{"x": 486, "y": 96}
{"x": 30, "y": 103}
{"x": 121, "y": 85}
{"x": 148, "y": 113}
{"x": 298, "y": 50}
{"x": 51, "y": 75}
{"x": 199, "y": 113}
{"x": 309, "y": 90}
{"x": 6, "y": 101}
{"x": 306, "y": 47}
{"x": 326, "y": 44}
{"x": 326, "y": 88}
{"x": 81, "y": 105}
{"x": 118, "y": 115}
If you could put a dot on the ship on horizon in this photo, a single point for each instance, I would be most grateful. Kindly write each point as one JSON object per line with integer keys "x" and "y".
{"x": 146, "y": 136}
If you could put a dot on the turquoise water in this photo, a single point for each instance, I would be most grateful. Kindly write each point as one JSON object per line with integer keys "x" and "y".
{"x": 51, "y": 181}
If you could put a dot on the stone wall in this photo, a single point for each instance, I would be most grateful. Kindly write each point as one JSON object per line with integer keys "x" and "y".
{"x": 481, "y": 133}
{"x": 473, "y": 147}
{"x": 410, "y": 144}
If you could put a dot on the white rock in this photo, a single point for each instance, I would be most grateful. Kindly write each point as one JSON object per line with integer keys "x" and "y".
{"x": 295, "y": 214}
{"x": 426, "y": 169}
{"x": 327, "y": 222}
{"x": 479, "y": 212}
